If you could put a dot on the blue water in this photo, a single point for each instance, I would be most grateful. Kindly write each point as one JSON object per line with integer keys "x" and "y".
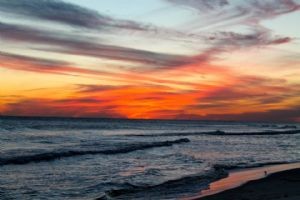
{"x": 131, "y": 159}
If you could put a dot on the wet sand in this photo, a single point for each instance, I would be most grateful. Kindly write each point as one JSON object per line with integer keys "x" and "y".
{"x": 282, "y": 185}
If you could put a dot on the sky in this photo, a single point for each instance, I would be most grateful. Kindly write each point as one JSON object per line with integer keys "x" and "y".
{"x": 152, "y": 59}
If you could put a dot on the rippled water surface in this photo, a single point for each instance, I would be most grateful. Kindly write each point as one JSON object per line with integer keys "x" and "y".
{"x": 131, "y": 159}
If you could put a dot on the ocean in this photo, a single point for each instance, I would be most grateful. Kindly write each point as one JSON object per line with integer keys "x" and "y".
{"x": 62, "y": 158}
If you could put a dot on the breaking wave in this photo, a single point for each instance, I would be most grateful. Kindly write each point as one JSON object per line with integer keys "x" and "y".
{"x": 190, "y": 184}
{"x": 18, "y": 160}
{"x": 217, "y": 132}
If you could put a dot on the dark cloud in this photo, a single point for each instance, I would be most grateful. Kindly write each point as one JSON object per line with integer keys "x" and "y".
{"x": 86, "y": 89}
{"x": 258, "y": 90}
{"x": 265, "y": 95}
{"x": 89, "y": 107}
{"x": 74, "y": 45}
{"x": 66, "y": 13}
{"x": 27, "y": 63}
{"x": 282, "y": 40}
{"x": 270, "y": 8}
{"x": 45, "y": 63}
{"x": 95, "y": 88}
{"x": 82, "y": 100}
{"x": 275, "y": 115}
{"x": 256, "y": 39}
{"x": 68, "y": 44}
{"x": 221, "y": 42}
{"x": 80, "y": 107}
{"x": 41, "y": 107}
{"x": 146, "y": 58}
{"x": 20, "y": 33}
{"x": 203, "y": 5}
{"x": 284, "y": 115}
{"x": 71, "y": 45}
{"x": 246, "y": 12}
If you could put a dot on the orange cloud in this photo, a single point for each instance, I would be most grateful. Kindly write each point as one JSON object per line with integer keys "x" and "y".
{"x": 244, "y": 97}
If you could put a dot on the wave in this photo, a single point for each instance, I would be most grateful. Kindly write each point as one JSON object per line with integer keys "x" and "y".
{"x": 18, "y": 160}
{"x": 187, "y": 184}
{"x": 288, "y": 127}
{"x": 278, "y": 126}
{"x": 286, "y": 132}
{"x": 217, "y": 132}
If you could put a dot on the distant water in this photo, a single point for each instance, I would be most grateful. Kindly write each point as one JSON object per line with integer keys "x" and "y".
{"x": 131, "y": 159}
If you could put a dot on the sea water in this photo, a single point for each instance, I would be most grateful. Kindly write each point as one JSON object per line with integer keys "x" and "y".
{"x": 61, "y": 158}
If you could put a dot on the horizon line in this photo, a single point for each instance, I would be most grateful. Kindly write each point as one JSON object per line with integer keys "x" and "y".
{"x": 141, "y": 119}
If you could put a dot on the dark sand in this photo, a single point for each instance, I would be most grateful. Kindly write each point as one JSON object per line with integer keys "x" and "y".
{"x": 283, "y": 185}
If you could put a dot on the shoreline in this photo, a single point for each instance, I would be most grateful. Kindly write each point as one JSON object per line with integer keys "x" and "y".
{"x": 239, "y": 181}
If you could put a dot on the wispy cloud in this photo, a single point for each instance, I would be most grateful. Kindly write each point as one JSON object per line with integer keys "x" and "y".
{"x": 26, "y": 63}
{"x": 252, "y": 12}
{"x": 69, "y": 14}
{"x": 258, "y": 38}
{"x": 65, "y": 13}
{"x": 201, "y": 5}
{"x": 70, "y": 45}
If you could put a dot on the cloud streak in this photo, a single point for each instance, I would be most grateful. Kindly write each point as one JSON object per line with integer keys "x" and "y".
{"x": 65, "y": 13}
{"x": 201, "y": 5}
{"x": 69, "y": 45}
{"x": 26, "y": 63}
{"x": 250, "y": 12}
{"x": 258, "y": 38}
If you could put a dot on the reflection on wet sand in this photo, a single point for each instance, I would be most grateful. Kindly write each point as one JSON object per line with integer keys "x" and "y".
{"x": 241, "y": 176}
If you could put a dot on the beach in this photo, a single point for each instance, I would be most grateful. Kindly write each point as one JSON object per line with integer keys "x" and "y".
{"x": 283, "y": 185}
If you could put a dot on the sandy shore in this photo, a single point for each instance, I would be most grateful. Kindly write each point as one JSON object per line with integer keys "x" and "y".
{"x": 283, "y": 185}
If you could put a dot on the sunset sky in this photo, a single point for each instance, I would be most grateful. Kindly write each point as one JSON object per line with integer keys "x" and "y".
{"x": 165, "y": 59}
